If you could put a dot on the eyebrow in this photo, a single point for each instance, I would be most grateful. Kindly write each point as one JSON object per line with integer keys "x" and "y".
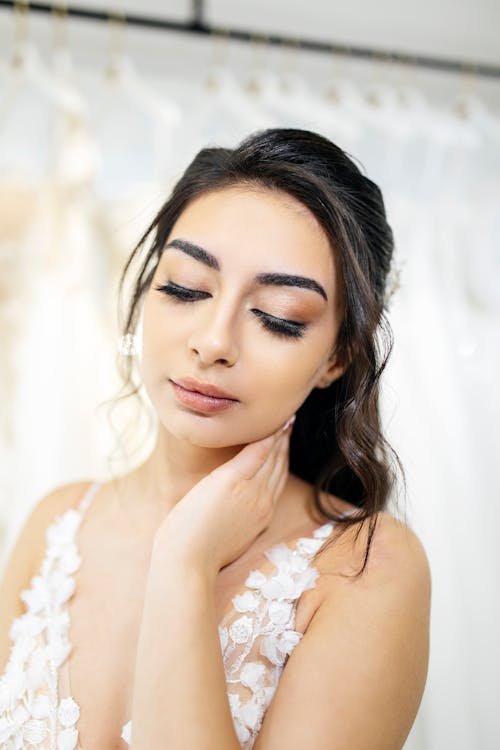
{"x": 266, "y": 279}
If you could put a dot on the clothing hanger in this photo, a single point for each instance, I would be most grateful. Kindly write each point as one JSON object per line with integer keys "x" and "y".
{"x": 61, "y": 62}
{"x": 25, "y": 66}
{"x": 470, "y": 108}
{"x": 286, "y": 98}
{"x": 317, "y": 111}
{"x": 121, "y": 74}
{"x": 344, "y": 96}
{"x": 227, "y": 112}
{"x": 222, "y": 84}
{"x": 130, "y": 113}
{"x": 75, "y": 156}
{"x": 24, "y": 141}
{"x": 276, "y": 94}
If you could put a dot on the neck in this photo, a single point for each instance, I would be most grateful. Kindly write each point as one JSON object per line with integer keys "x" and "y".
{"x": 175, "y": 466}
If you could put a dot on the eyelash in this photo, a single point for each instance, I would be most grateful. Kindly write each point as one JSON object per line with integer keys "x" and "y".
{"x": 283, "y": 328}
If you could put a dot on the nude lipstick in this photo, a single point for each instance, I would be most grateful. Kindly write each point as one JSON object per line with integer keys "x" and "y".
{"x": 200, "y": 401}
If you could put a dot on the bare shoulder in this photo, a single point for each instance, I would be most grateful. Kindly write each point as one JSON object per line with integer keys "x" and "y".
{"x": 397, "y": 552}
{"x": 61, "y": 498}
{"x": 396, "y": 556}
{"x": 31, "y": 539}
{"x": 50, "y": 506}
{"x": 393, "y": 541}
{"x": 396, "y": 538}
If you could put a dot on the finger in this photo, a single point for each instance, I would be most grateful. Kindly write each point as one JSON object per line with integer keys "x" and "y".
{"x": 254, "y": 456}
{"x": 261, "y": 475}
{"x": 251, "y": 458}
{"x": 264, "y": 473}
{"x": 281, "y": 464}
{"x": 283, "y": 428}
{"x": 272, "y": 484}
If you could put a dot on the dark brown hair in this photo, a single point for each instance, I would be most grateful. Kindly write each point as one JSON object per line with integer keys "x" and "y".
{"x": 337, "y": 443}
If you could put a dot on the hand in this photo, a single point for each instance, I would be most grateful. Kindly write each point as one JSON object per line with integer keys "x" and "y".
{"x": 220, "y": 517}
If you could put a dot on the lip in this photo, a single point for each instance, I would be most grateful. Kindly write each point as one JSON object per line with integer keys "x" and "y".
{"x": 207, "y": 389}
{"x": 199, "y": 401}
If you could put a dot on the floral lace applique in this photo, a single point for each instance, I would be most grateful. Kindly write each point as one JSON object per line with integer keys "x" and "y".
{"x": 30, "y": 712}
{"x": 258, "y": 642}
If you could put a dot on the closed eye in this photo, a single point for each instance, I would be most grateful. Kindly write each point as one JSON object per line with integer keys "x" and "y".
{"x": 278, "y": 326}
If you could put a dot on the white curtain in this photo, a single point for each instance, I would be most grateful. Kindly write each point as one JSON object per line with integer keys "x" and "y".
{"x": 86, "y": 160}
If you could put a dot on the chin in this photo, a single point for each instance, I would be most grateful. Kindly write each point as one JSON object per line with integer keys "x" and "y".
{"x": 202, "y": 434}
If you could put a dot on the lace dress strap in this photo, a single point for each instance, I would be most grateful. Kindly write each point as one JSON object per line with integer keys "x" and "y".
{"x": 88, "y": 496}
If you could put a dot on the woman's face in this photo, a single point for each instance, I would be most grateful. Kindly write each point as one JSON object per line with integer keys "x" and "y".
{"x": 229, "y": 331}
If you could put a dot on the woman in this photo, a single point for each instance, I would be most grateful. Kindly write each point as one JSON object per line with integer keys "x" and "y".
{"x": 247, "y": 542}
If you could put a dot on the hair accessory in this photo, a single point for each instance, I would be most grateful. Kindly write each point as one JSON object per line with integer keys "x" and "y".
{"x": 393, "y": 282}
{"x": 127, "y": 345}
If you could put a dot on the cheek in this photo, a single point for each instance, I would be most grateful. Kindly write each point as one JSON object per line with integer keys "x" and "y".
{"x": 287, "y": 374}
{"x": 157, "y": 343}
{"x": 161, "y": 330}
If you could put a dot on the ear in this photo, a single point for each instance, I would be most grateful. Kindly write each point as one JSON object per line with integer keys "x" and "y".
{"x": 333, "y": 369}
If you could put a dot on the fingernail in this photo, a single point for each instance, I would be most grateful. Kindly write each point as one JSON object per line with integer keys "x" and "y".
{"x": 290, "y": 421}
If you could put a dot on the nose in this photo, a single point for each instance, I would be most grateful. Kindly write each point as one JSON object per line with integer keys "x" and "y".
{"x": 214, "y": 337}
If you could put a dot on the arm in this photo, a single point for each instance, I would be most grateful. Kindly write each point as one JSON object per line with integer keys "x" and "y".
{"x": 179, "y": 700}
{"x": 357, "y": 677}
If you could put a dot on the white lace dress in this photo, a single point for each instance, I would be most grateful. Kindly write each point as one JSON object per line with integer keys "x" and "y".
{"x": 256, "y": 637}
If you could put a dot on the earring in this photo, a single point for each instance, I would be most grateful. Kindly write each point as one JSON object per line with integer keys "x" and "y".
{"x": 127, "y": 345}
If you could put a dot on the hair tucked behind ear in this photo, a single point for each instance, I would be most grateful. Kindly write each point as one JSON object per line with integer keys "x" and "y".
{"x": 337, "y": 443}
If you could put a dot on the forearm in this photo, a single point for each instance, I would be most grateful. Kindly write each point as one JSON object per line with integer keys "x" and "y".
{"x": 179, "y": 697}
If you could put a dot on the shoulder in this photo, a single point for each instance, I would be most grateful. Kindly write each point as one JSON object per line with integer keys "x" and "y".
{"x": 59, "y": 499}
{"x": 397, "y": 566}
{"x": 398, "y": 552}
{"x": 395, "y": 549}
{"x": 394, "y": 541}
{"x": 55, "y": 502}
